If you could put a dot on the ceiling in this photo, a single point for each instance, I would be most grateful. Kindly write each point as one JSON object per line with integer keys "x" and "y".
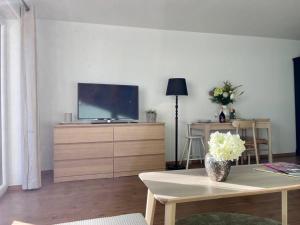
{"x": 267, "y": 18}
{"x": 9, "y": 9}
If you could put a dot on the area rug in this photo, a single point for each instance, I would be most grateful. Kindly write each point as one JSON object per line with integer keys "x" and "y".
{"x": 225, "y": 219}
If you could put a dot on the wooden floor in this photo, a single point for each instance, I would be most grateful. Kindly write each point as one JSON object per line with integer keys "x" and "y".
{"x": 63, "y": 202}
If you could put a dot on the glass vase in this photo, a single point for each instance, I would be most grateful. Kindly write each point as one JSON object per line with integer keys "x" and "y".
{"x": 216, "y": 170}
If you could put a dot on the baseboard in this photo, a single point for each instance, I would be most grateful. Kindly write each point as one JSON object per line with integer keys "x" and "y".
{"x": 14, "y": 188}
{"x": 45, "y": 172}
{"x": 275, "y": 156}
{"x": 282, "y": 155}
{"x": 192, "y": 162}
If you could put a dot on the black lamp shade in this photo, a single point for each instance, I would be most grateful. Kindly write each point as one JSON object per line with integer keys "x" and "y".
{"x": 177, "y": 86}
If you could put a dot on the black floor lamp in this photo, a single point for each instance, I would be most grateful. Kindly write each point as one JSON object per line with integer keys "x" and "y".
{"x": 176, "y": 86}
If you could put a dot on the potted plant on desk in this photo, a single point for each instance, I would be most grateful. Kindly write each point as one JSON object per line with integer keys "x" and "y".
{"x": 151, "y": 116}
{"x": 224, "y": 96}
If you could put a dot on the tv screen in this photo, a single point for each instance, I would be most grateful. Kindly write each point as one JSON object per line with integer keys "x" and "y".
{"x": 107, "y": 101}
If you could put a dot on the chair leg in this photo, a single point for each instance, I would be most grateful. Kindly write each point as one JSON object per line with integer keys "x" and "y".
{"x": 256, "y": 154}
{"x": 249, "y": 159}
{"x": 184, "y": 152}
{"x": 255, "y": 145}
{"x": 203, "y": 146}
{"x": 202, "y": 151}
{"x": 189, "y": 153}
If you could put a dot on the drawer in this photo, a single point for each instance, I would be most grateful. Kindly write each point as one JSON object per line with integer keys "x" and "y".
{"x": 137, "y": 163}
{"x": 131, "y": 148}
{"x": 83, "y": 177}
{"x": 82, "y": 134}
{"x": 82, "y": 167}
{"x": 83, "y": 151}
{"x": 127, "y": 133}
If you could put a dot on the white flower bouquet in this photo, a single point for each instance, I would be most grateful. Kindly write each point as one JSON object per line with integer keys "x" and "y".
{"x": 225, "y": 94}
{"x": 226, "y": 147}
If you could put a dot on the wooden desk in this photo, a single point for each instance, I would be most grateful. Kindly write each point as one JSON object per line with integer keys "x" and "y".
{"x": 179, "y": 186}
{"x": 208, "y": 127}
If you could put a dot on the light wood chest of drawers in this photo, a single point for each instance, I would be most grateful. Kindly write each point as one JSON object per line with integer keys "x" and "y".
{"x": 90, "y": 151}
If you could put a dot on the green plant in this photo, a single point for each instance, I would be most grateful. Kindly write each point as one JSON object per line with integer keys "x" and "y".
{"x": 226, "y": 94}
{"x": 151, "y": 111}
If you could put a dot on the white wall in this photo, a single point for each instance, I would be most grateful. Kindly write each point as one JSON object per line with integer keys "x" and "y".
{"x": 78, "y": 52}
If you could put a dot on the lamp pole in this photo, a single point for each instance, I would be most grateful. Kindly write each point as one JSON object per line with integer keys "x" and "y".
{"x": 176, "y": 166}
{"x": 176, "y": 132}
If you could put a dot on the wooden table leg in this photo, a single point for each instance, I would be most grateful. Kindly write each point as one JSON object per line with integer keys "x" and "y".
{"x": 284, "y": 207}
{"x": 170, "y": 211}
{"x": 270, "y": 144}
{"x": 206, "y": 138}
{"x": 150, "y": 208}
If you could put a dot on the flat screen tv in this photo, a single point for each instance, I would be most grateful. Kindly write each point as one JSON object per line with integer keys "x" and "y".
{"x": 108, "y": 101}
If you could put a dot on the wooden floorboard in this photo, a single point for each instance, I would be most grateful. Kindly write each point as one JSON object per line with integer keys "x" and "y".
{"x": 70, "y": 201}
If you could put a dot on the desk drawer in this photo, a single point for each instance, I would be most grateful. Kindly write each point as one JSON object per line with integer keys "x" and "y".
{"x": 127, "y": 133}
{"x": 136, "y": 163}
{"x": 83, "y": 167}
{"x": 82, "y": 135}
{"x": 83, "y": 151}
{"x": 131, "y": 148}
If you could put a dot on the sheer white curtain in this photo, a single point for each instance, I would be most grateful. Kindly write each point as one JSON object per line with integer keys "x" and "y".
{"x": 30, "y": 148}
{"x": 3, "y": 153}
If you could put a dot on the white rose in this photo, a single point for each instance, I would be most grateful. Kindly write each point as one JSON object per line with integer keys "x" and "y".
{"x": 232, "y": 96}
{"x": 225, "y": 94}
{"x": 225, "y": 147}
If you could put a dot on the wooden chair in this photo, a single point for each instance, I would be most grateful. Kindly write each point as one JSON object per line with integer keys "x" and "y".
{"x": 250, "y": 142}
{"x": 188, "y": 151}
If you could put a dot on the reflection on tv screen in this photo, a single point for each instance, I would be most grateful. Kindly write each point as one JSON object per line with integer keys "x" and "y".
{"x": 106, "y": 101}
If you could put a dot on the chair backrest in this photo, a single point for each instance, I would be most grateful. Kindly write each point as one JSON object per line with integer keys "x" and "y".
{"x": 243, "y": 124}
{"x": 189, "y": 129}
